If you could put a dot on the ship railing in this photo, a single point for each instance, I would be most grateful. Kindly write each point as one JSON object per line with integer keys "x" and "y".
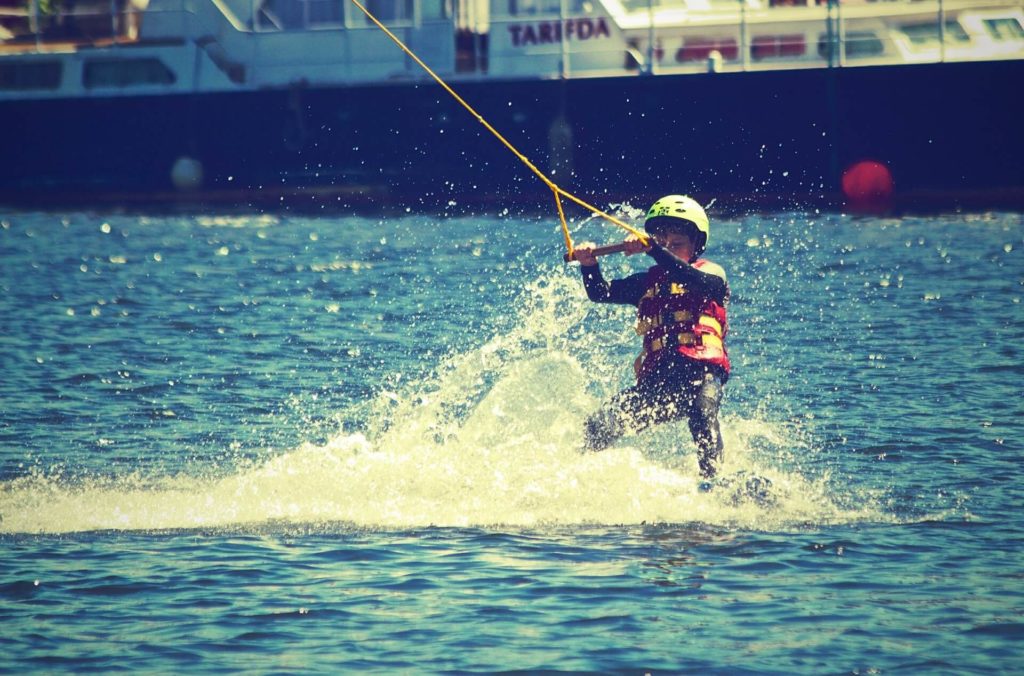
{"x": 98, "y": 21}
{"x": 338, "y": 43}
{"x": 535, "y": 38}
{"x": 247, "y": 40}
{"x": 56, "y": 24}
{"x": 573, "y": 38}
{"x": 51, "y": 24}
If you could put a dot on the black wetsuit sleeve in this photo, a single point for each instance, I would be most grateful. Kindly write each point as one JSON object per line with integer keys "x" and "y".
{"x": 710, "y": 286}
{"x": 626, "y": 291}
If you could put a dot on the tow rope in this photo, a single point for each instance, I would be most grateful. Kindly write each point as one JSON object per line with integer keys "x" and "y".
{"x": 558, "y": 192}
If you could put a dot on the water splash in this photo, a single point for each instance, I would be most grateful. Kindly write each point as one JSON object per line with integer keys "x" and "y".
{"x": 492, "y": 438}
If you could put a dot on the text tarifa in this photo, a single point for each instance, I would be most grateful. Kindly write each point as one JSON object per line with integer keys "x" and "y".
{"x": 546, "y": 32}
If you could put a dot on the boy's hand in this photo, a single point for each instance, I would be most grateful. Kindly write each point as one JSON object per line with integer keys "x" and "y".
{"x": 634, "y": 245}
{"x": 584, "y": 254}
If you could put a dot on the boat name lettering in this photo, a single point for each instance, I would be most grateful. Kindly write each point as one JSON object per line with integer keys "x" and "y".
{"x": 547, "y": 32}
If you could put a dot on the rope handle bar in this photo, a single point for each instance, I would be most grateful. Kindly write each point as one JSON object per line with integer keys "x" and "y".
{"x": 598, "y": 251}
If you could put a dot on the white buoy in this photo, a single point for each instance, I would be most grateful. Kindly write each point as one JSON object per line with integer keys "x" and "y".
{"x": 187, "y": 173}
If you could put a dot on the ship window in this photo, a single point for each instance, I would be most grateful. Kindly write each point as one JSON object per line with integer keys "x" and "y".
{"x": 1005, "y": 29}
{"x": 434, "y": 9}
{"x": 33, "y": 75}
{"x": 390, "y": 10}
{"x": 523, "y": 7}
{"x": 858, "y": 44}
{"x": 927, "y": 34}
{"x": 280, "y": 15}
{"x": 324, "y": 12}
{"x": 772, "y": 46}
{"x": 647, "y": 5}
{"x": 300, "y": 14}
{"x": 699, "y": 49}
{"x": 125, "y": 73}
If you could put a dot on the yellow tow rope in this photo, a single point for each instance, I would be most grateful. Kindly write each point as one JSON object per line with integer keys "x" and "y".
{"x": 559, "y": 193}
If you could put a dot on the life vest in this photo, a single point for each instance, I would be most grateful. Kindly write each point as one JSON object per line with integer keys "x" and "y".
{"x": 670, "y": 317}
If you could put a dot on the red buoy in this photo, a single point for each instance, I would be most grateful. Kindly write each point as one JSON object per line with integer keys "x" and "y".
{"x": 868, "y": 185}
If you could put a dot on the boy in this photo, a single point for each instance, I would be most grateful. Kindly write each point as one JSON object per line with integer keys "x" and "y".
{"x": 681, "y": 315}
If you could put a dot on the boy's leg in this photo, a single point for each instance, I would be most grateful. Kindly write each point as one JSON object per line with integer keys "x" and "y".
{"x": 613, "y": 420}
{"x": 704, "y": 425}
{"x": 633, "y": 410}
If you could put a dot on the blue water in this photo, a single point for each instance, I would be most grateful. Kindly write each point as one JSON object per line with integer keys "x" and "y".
{"x": 277, "y": 443}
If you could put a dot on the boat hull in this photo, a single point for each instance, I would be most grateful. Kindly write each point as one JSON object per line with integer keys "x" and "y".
{"x": 946, "y": 132}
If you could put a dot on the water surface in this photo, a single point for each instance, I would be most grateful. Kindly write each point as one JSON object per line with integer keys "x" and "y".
{"x": 283, "y": 443}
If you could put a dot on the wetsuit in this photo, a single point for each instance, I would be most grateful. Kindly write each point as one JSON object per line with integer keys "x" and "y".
{"x": 675, "y": 382}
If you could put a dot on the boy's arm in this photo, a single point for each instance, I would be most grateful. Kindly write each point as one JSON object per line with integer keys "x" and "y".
{"x": 597, "y": 287}
{"x": 710, "y": 284}
{"x": 625, "y": 291}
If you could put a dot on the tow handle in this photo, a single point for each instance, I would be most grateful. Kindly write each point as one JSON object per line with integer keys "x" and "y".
{"x": 599, "y": 251}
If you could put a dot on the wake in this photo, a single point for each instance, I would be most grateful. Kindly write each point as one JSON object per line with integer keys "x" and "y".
{"x": 492, "y": 438}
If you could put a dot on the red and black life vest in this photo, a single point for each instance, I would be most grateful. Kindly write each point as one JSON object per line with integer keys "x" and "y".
{"x": 670, "y": 317}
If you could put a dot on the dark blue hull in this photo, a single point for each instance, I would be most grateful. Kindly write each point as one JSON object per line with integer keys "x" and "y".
{"x": 949, "y": 133}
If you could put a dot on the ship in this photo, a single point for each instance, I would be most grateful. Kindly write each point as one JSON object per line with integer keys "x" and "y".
{"x": 309, "y": 104}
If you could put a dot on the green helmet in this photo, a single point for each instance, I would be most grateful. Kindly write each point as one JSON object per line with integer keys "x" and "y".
{"x": 674, "y": 211}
